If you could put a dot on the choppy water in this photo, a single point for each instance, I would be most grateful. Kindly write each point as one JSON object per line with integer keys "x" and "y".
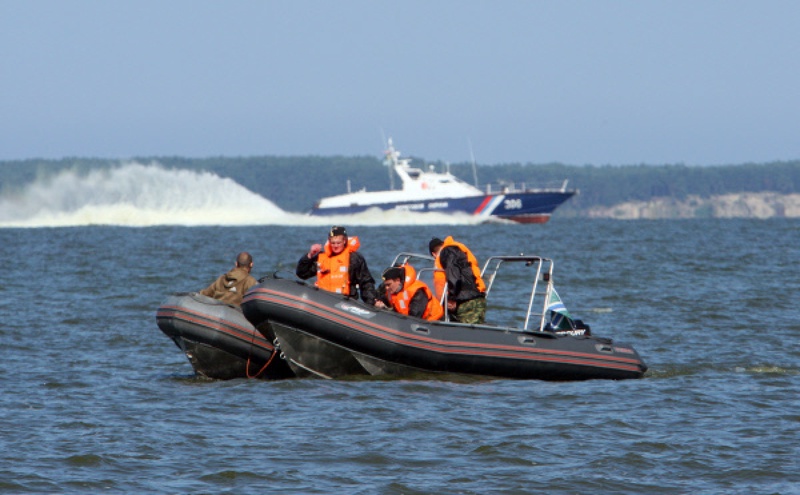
{"x": 96, "y": 399}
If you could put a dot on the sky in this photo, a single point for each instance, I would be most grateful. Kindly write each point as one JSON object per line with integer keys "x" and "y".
{"x": 697, "y": 82}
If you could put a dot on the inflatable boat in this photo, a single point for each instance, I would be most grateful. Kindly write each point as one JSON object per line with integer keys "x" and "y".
{"x": 217, "y": 339}
{"x": 327, "y": 335}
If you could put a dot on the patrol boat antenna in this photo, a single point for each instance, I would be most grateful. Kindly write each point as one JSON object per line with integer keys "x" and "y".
{"x": 390, "y": 161}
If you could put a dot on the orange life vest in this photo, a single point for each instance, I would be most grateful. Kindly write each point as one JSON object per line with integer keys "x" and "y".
{"x": 411, "y": 285}
{"x": 440, "y": 277}
{"x": 333, "y": 270}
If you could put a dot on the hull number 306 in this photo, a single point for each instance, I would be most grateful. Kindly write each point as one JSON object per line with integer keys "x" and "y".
{"x": 512, "y": 204}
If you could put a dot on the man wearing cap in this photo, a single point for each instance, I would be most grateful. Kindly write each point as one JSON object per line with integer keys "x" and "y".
{"x": 408, "y": 295}
{"x": 338, "y": 266}
{"x": 466, "y": 292}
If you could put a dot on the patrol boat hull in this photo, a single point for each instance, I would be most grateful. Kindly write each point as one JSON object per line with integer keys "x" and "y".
{"x": 327, "y": 335}
{"x": 520, "y": 207}
{"x": 217, "y": 339}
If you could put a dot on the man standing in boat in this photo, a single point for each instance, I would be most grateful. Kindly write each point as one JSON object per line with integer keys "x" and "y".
{"x": 466, "y": 291}
{"x": 409, "y": 295}
{"x": 339, "y": 267}
{"x": 230, "y": 287}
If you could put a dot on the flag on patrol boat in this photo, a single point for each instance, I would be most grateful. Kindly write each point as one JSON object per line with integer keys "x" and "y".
{"x": 560, "y": 319}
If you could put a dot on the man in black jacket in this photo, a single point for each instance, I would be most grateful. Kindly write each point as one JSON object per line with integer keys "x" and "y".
{"x": 339, "y": 267}
{"x": 466, "y": 296}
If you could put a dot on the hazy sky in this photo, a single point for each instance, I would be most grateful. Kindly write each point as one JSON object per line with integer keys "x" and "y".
{"x": 595, "y": 81}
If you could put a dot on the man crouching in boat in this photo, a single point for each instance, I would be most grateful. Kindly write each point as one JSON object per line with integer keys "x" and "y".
{"x": 339, "y": 267}
{"x": 408, "y": 295}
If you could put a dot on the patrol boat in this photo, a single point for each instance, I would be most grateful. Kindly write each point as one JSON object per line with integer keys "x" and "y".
{"x": 217, "y": 339}
{"x": 327, "y": 335}
{"x": 425, "y": 191}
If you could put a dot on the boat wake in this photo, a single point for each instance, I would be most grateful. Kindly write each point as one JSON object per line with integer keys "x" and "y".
{"x": 771, "y": 370}
{"x": 142, "y": 195}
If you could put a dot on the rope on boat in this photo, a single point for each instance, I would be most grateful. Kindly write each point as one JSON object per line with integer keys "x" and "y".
{"x": 321, "y": 375}
{"x": 250, "y": 354}
{"x": 247, "y": 368}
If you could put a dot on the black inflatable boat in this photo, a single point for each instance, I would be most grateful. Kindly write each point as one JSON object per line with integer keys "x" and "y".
{"x": 326, "y": 335}
{"x": 217, "y": 339}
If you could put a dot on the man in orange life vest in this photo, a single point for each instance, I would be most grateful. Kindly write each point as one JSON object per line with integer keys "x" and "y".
{"x": 409, "y": 296}
{"x": 339, "y": 267}
{"x": 466, "y": 292}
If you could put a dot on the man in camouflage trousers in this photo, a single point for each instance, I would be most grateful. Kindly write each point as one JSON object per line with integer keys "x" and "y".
{"x": 466, "y": 291}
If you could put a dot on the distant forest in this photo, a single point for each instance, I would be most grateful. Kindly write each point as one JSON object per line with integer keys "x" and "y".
{"x": 294, "y": 183}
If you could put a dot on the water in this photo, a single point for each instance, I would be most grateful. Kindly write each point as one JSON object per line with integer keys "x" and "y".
{"x": 96, "y": 399}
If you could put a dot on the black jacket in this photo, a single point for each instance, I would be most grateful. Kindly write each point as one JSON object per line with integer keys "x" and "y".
{"x": 360, "y": 278}
{"x": 416, "y": 306}
{"x": 461, "y": 284}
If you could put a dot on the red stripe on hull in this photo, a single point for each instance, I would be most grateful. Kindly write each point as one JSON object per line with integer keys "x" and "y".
{"x": 483, "y": 204}
{"x": 228, "y": 328}
{"x": 527, "y": 218}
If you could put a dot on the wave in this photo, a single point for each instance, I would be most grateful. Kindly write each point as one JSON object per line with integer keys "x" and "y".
{"x": 142, "y": 195}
